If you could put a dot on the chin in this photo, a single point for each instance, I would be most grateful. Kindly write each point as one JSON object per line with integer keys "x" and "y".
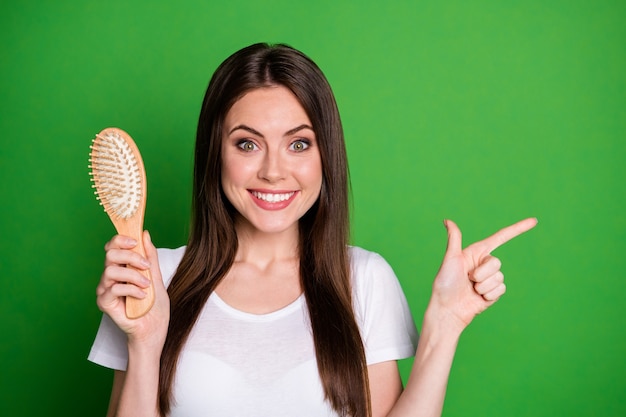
{"x": 276, "y": 229}
{"x": 270, "y": 227}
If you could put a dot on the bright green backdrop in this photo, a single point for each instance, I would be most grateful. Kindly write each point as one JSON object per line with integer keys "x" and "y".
{"x": 480, "y": 111}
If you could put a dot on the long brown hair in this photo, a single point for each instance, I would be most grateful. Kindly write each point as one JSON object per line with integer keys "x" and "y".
{"x": 324, "y": 264}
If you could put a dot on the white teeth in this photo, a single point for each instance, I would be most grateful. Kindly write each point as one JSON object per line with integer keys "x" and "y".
{"x": 272, "y": 198}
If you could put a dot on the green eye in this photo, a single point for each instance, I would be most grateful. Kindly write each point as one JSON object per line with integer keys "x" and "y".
{"x": 299, "y": 145}
{"x": 246, "y": 145}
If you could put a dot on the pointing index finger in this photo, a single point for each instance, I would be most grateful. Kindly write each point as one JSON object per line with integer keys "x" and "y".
{"x": 504, "y": 235}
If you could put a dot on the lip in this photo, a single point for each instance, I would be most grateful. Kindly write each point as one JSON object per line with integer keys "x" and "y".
{"x": 272, "y": 205}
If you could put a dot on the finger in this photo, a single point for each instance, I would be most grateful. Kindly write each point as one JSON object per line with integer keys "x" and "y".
{"x": 489, "y": 284}
{"x": 489, "y": 266}
{"x": 125, "y": 257}
{"x": 120, "y": 242}
{"x": 454, "y": 238}
{"x": 115, "y": 274}
{"x": 118, "y": 281}
{"x": 127, "y": 290}
{"x": 496, "y": 293}
{"x": 504, "y": 235}
{"x": 153, "y": 258}
{"x": 114, "y": 295}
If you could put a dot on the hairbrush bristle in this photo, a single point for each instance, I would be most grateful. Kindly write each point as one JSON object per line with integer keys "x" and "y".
{"x": 115, "y": 174}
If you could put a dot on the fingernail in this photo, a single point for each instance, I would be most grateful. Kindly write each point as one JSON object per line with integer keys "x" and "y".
{"x": 145, "y": 263}
{"x": 131, "y": 241}
{"x": 149, "y": 237}
{"x": 145, "y": 281}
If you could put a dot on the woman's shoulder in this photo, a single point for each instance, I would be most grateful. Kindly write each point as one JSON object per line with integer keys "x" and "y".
{"x": 171, "y": 253}
{"x": 363, "y": 258}
{"x": 369, "y": 268}
{"x": 380, "y": 308}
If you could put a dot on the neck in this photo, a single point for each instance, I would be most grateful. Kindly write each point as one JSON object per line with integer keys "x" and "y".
{"x": 263, "y": 248}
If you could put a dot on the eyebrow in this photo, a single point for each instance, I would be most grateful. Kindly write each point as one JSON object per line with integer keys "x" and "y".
{"x": 256, "y": 132}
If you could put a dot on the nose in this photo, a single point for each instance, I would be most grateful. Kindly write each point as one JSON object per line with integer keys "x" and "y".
{"x": 272, "y": 168}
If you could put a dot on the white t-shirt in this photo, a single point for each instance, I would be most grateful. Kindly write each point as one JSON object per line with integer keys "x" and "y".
{"x": 240, "y": 364}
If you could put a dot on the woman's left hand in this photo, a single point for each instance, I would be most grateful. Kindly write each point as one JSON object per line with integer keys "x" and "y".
{"x": 470, "y": 280}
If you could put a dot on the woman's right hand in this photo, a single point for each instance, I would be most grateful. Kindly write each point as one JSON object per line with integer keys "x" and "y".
{"x": 118, "y": 282}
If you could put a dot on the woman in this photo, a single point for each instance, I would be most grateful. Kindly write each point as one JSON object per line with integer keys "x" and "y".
{"x": 272, "y": 313}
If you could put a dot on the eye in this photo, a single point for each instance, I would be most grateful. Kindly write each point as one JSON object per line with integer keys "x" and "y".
{"x": 299, "y": 145}
{"x": 246, "y": 145}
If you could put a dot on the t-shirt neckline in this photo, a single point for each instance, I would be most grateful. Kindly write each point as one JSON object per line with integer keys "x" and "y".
{"x": 274, "y": 315}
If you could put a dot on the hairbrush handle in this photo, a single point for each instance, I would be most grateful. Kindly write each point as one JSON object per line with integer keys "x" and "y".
{"x": 137, "y": 307}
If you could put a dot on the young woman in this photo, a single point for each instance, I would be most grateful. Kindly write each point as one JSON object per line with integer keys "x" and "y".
{"x": 268, "y": 311}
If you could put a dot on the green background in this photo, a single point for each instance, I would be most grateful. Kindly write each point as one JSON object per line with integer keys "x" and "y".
{"x": 484, "y": 112}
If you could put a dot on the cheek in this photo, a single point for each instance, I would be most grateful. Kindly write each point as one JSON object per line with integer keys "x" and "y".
{"x": 316, "y": 170}
{"x": 311, "y": 173}
{"x": 234, "y": 172}
{"x": 232, "y": 183}
{"x": 228, "y": 175}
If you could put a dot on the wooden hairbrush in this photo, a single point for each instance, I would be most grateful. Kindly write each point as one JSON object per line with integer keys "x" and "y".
{"x": 119, "y": 177}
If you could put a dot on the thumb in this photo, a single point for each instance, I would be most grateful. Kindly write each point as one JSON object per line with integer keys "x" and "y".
{"x": 153, "y": 257}
{"x": 454, "y": 239}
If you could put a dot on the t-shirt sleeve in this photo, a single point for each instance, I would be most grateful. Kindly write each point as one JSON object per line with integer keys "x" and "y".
{"x": 386, "y": 324}
{"x": 109, "y": 348}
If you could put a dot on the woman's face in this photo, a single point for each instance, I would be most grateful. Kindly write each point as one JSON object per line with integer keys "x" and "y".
{"x": 271, "y": 165}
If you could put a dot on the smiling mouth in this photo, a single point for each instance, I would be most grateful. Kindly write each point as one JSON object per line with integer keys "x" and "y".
{"x": 273, "y": 198}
